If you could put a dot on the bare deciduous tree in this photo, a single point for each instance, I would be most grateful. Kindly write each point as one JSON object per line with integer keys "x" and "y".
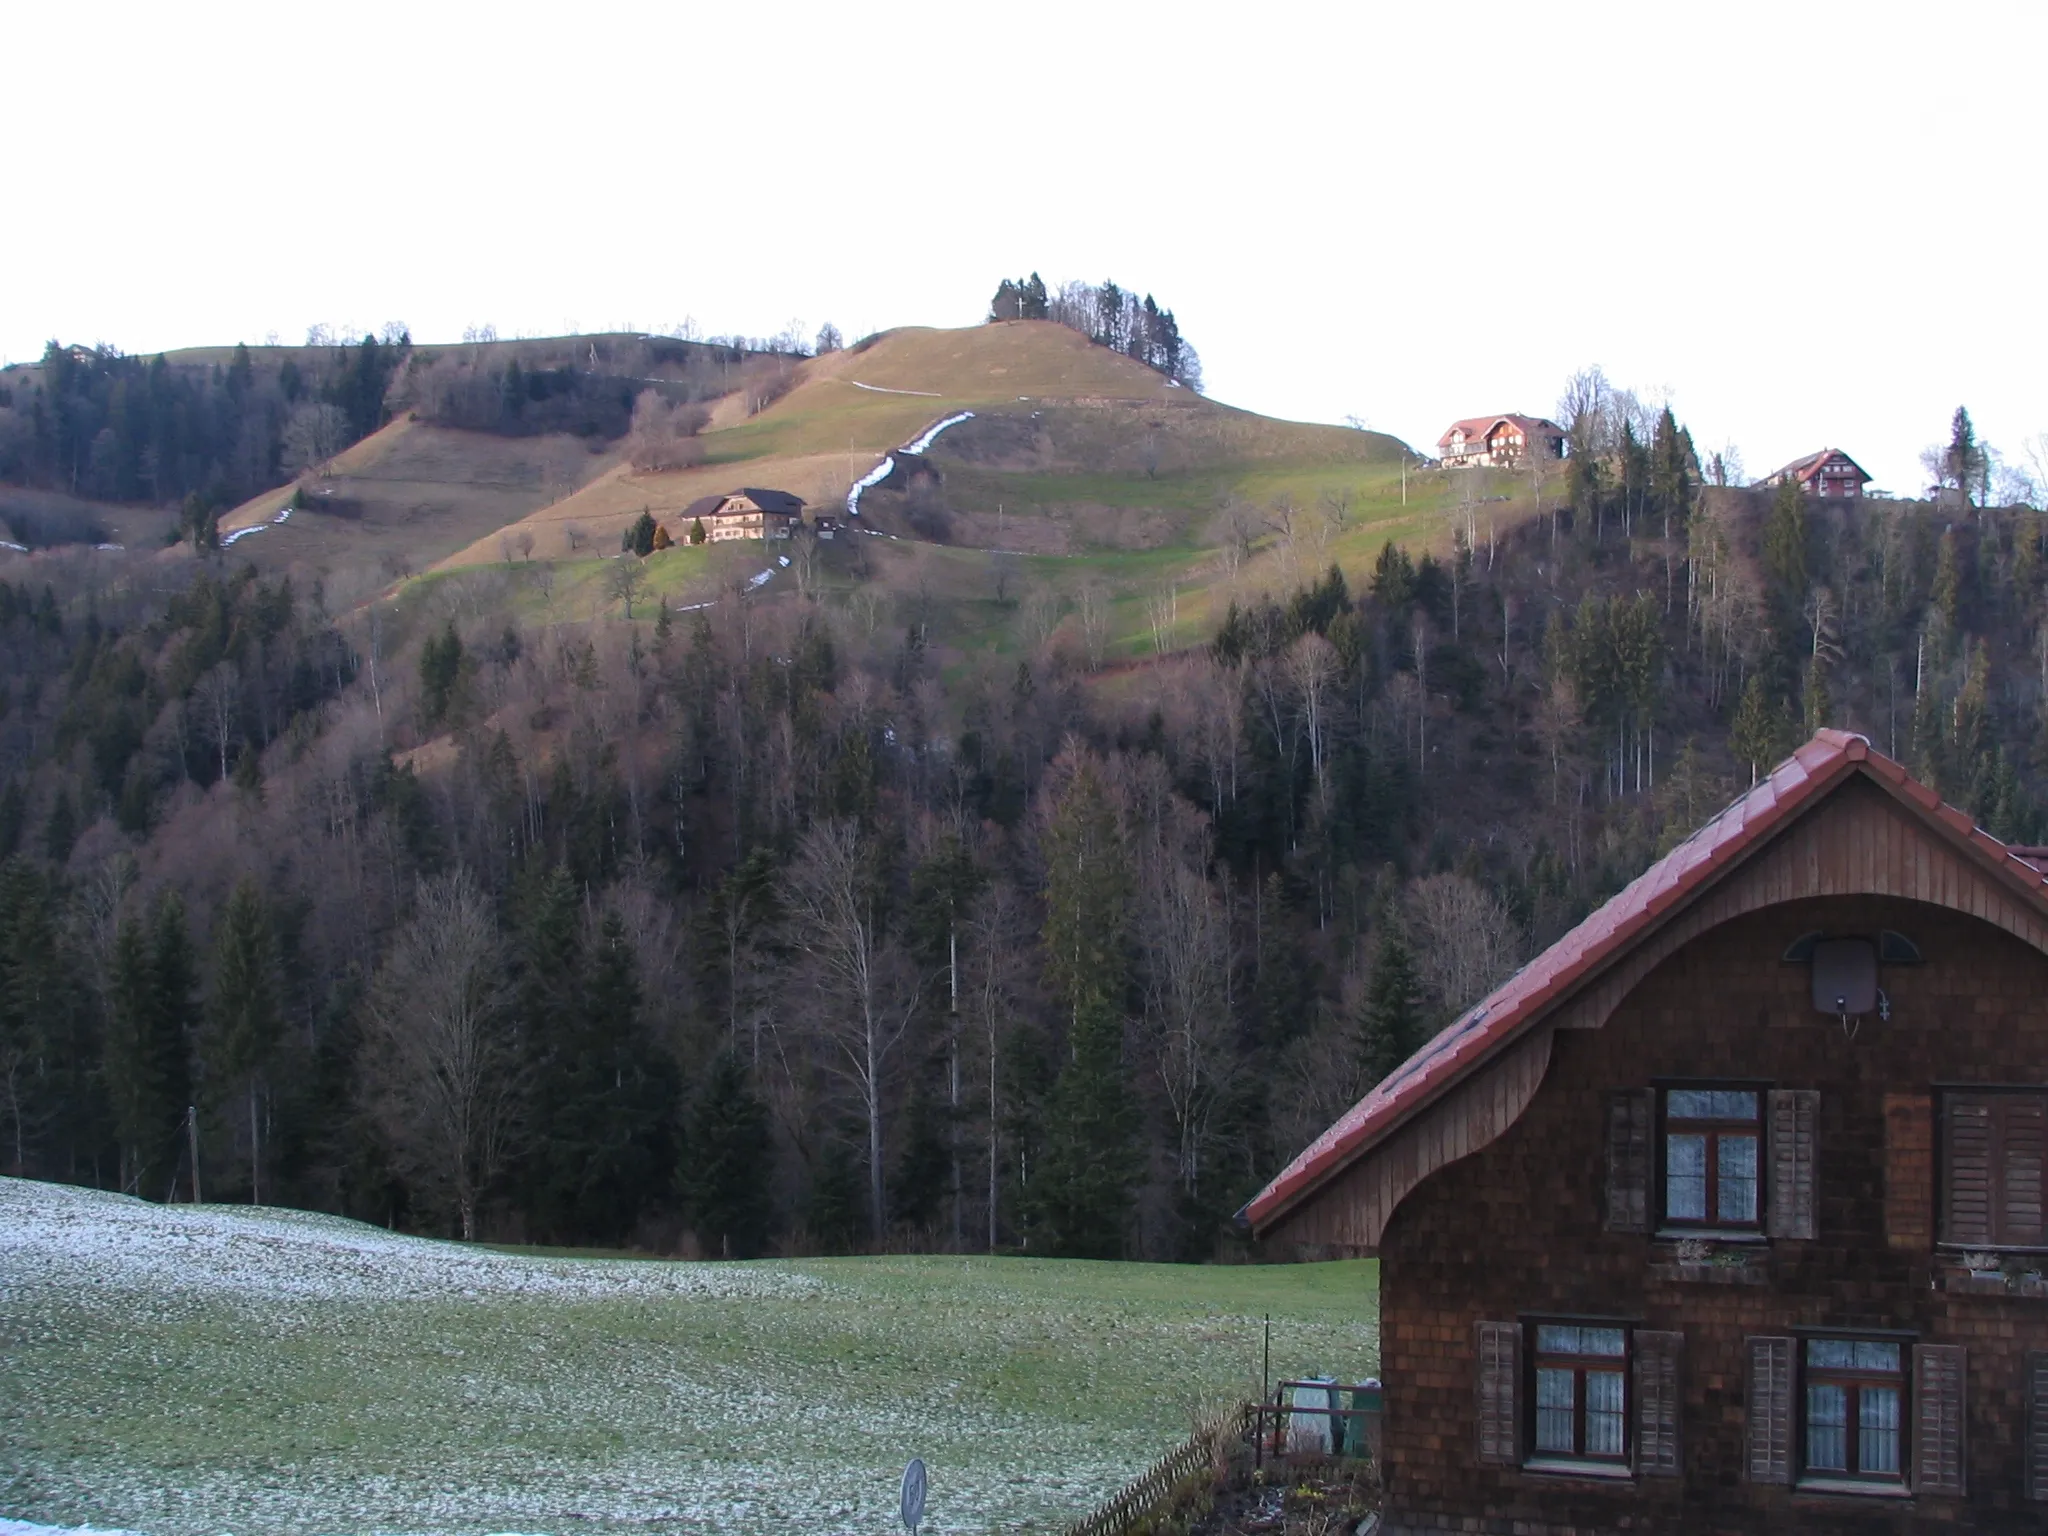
{"x": 1094, "y": 623}
{"x": 218, "y": 698}
{"x": 625, "y": 581}
{"x": 1314, "y": 669}
{"x": 1187, "y": 945}
{"x": 314, "y": 433}
{"x": 863, "y": 987}
{"x": 440, "y": 1072}
{"x": 1466, "y": 941}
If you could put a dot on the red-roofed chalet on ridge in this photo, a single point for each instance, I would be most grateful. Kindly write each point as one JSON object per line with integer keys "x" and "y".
{"x": 1726, "y": 1212}
{"x": 1830, "y": 472}
{"x": 1501, "y": 441}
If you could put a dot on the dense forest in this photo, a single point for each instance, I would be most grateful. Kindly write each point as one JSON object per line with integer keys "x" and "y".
{"x": 744, "y": 931}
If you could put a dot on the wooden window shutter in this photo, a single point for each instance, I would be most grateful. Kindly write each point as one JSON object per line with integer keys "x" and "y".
{"x": 1909, "y": 1171}
{"x": 2035, "y": 1471}
{"x": 1658, "y": 1403}
{"x": 1499, "y": 1390}
{"x": 2022, "y": 1124}
{"x": 1769, "y": 1405}
{"x": 1631, "y": 1123}
{"x": 1795, "y": 1147}
{"x": 1938, "y": 1439}
{"x": 1967, "y": 1136}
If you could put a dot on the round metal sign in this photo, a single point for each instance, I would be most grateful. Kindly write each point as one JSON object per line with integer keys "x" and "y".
{"x": 913, "y": 1495}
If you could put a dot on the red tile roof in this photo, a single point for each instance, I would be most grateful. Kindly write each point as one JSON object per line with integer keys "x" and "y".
{"x": 1476, "y": 428}
{"x": 1804, "y": 469}
{"x": 1531, "y": 993}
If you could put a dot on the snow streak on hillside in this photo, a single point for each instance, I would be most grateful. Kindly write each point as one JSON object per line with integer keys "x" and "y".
{"x": 52, "y": 1235}
{"x": 883, "y": 470}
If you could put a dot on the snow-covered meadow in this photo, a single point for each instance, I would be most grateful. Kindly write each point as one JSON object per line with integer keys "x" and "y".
{"x": 170, "y": 1370}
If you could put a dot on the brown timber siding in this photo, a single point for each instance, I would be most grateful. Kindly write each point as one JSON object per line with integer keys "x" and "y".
{"x": 1520, "y": 1226}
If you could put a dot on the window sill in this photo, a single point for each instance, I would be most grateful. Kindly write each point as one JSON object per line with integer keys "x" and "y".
{"x": 1854, "y": 1487}
{"x": 1957, "y": 1281}
{"x": 1566, "y": 1466}
{"x": 1749, "y": 1235}
{"x": 1749, "y": 1272}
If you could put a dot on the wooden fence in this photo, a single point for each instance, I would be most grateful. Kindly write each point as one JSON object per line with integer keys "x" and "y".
{"x": 1144, "y": 1494}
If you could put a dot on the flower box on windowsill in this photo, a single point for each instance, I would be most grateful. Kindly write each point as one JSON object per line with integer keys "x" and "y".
{"x": 1959, "y": 1281}
{"x": 1722, "y": 1266}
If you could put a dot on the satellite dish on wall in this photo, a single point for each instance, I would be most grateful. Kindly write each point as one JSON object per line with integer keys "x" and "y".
{"x": 913, "y": 1495}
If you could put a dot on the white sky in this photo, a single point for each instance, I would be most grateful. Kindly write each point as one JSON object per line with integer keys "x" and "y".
{"x": 1812, "y": 223}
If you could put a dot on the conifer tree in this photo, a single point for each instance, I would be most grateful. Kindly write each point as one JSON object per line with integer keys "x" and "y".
{"x": 1754, "y": 736}
{"x": 1785, "y": 571}
{"x": 833, "y": 1211}
{"x": 440, "y": 671}
{"x": 246, "y": 1017}
{"x": 133, "y": 1095}
{"x": 1082, "y": 1194}
{"x": 1390, "y": 1023}
{"x": 612, "y": 1128}
{"x": 725, "y": 1173}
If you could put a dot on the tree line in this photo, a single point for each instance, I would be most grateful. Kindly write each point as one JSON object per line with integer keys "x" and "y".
{"x": 1107, "y": 315}
{"x": 102, "y": 424}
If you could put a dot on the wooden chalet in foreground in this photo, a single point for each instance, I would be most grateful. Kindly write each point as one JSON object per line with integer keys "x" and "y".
{"x": 1725, "y": 1213}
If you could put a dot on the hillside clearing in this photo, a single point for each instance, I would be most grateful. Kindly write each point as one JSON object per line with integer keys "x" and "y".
{"x": 186, "y": 1370}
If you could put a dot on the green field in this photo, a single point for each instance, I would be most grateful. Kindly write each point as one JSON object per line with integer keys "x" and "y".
{"x": 198, "y": 1370}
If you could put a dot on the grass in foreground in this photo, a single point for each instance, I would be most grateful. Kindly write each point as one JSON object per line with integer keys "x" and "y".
{"x": 209, "y": 1370}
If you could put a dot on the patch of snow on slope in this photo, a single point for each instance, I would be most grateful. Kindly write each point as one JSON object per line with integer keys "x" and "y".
{"x": 874, "y": 476}
{"x": 23, "y": 1528}
{"x": 932, "y": 432}
{"x": 52, "y": 1235}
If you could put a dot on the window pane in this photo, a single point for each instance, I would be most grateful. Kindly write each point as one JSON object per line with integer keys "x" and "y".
{"x": 1685, "y": 1178}
{"x": 1738, "y": 1179}
{"x": 1556, "y": 1339}
{"x": 1877, "y": 1357}
{"x": 1877, "y": 1436}
{"x": 1710, "y": 1104}
{"x": 1831, "y": 1354}
{"x": 1554, "y": 1405}
{"x": 1827, "y": 1420}
{"x": 1602, "y": 1341}
{"x": 1603, "y": 1412}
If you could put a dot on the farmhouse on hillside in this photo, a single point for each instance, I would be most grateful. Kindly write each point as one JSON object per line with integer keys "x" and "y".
{"x": 1725, "y": 1213}
{"x": 748, "y": 513}
{"x": 1829, "y": 472}
{"x": 1499, "y": 441}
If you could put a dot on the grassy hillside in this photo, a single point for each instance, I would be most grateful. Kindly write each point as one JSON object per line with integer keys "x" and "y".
{"x": 189, "y": 1369}
{"x": 408, "y": 495}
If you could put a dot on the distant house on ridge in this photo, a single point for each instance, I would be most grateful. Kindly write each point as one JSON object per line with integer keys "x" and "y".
{"x": 1829, "y": 472}
{"x": 1498, "y": 441}
{"x": 748, "y": 513}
